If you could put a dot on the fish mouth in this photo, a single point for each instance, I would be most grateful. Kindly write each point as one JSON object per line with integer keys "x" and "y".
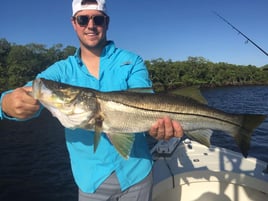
{"x": 37, "y": 85}
{"x": 42, "y": 86}
{"x": 54, "y": 94}
{"x": 42, "y": 91}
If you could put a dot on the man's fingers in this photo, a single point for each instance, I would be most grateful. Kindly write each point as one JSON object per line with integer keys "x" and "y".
{"x": 28, "y": 89}
{"x": 158, "y": 129}
{"x": 153, "y": 130}
{"x": 165, "y": 129}
{"x": 178, "y": 130}
{"x": 20, "y": 104}
{"x": 168, "y": 126}
{"x": 27, "y": 98}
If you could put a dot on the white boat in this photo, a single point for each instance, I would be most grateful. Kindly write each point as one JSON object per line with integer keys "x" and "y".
{"x": 188, "y": 171}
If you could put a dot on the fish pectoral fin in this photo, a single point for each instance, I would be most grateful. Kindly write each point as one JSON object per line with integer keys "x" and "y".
{"x": 201, "y": 136}
{"x": 96, "y": 140}
{"x": 122, "y": 142}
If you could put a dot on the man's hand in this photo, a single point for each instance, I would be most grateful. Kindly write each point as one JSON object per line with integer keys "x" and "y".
{"x": 20, "y": 104}
{"x": 165, "y": 129}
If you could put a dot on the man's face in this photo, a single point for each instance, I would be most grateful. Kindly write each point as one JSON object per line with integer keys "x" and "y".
{"x": 91, "y": 35}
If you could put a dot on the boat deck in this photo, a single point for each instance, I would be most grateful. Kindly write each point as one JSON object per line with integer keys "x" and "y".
{"x": 189, "y": 171}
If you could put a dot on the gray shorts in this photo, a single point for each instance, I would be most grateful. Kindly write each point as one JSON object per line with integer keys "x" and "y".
{"x": 110, "y": 190}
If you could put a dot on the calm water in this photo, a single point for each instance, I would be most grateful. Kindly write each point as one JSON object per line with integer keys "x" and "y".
{"x": 252, "y": 100}
{"x": 34, "y": 163}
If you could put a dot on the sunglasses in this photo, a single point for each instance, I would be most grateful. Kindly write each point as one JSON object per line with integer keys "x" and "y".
{"x": 83, "y": 20}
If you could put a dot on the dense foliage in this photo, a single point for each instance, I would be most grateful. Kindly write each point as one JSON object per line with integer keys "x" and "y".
{"x": 199, "y": 71}
{"x": 21, "y": 63}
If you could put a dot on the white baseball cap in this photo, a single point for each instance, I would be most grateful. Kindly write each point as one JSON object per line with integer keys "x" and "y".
{"x": 77, "y": 6}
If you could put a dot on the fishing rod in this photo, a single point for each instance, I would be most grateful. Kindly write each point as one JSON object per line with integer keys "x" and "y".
{"x": 248, "y": 39}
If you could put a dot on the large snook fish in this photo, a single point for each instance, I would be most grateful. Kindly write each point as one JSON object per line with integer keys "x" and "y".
{"x": 120, "y": 114}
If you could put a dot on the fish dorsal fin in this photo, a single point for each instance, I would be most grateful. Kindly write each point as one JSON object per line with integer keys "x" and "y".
{"x": 122, "y": 142}
{"x": 191, "y": 92}
{"x": 141, "y": 90}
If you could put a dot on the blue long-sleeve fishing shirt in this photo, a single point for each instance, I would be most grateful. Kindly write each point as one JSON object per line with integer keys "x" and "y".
{"x": 119, "y": 70}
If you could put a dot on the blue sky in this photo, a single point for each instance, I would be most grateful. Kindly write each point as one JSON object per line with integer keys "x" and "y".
{"x": 168, "y": 29}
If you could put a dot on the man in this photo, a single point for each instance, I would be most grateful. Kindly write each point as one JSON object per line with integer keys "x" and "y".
{"x": 98, "y": 64}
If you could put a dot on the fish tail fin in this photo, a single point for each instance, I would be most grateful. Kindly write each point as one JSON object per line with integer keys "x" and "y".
{"x": 122, "y": 142}
{"x": 249, "y": 123}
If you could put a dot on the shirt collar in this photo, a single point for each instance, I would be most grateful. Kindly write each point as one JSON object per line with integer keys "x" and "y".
{"x": 107, "y": 51}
